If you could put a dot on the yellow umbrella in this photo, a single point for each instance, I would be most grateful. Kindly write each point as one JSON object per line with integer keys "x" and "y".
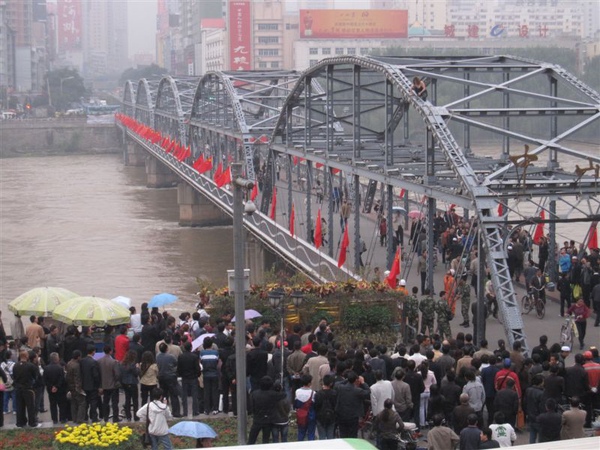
{"x": 40, "y": 301}
{"x": 88, "y": 311}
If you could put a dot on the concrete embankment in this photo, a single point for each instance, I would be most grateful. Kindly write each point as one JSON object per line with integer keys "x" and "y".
{"x": 49, "y": 137}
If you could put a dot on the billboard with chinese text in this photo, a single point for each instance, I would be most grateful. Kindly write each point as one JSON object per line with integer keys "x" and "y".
{"x": 68, "y": 15}
{"x": 353, "y": 23}
{"x": 240, "y": 35}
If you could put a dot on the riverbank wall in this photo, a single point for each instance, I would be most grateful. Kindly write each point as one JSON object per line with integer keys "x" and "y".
{"x": 50, "y": 137}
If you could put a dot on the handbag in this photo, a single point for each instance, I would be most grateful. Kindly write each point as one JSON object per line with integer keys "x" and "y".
{"x": 145, "y": 438}
{"x": 2, "y": 386}
{"x": 520, "y": 419}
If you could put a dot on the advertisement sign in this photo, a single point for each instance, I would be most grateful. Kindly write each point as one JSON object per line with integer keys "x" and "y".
{"x": 353, "y": 23}
{"x": 240, "y": 35}
{"x": 68, "y": 14}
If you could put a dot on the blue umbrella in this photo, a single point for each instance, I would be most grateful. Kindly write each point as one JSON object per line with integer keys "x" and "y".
{"x": 191, "y": 429}
{"x": 162, "y": 300}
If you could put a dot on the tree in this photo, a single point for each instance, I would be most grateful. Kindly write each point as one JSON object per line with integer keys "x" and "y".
{"x": 64, "y": 87}
{"x": 134, "y": 74}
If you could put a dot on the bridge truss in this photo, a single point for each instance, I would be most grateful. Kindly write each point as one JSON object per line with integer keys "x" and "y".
{"x": 494, "y": 130}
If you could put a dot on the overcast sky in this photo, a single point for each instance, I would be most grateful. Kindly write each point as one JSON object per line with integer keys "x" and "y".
{"x": 142, "y": 26}
{"x": 142, "y": 23}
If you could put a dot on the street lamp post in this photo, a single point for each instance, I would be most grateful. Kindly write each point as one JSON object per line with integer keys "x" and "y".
{"x": 239, "y": 186}
{"x": 62, "y": 80}
{"x": 276, "y": 301}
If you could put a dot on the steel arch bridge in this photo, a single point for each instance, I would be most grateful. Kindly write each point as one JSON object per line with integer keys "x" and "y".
{"x": 525, "y": 130}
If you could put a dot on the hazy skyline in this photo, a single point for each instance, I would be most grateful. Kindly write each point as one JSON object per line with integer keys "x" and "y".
{"x": 141, "y": 15}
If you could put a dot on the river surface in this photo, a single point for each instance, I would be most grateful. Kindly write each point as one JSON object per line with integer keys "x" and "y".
{"x": 89, "y": 224}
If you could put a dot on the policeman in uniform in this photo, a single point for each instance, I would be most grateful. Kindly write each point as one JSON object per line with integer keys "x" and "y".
{"x": 427, "y": 308}
{"x": 464, "y": 290}
{"x": 411, "y": 310}
{"x": 443, "y": 316}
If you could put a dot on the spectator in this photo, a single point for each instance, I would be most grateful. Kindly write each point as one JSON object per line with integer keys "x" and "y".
{"x": 74, "y": 385}
{"x": 350, "y": 405}
{"x": 148, "y": 376}
{"x": 167, "y": 377}
{"x": 157, "y": 413}
{"x": 461, "y": 413}
{"x": 470, "y": 436}
{"x": 24, "y": 376}
{"x": 502, "y": 431}
{"x": 110, "y": 376}
{"x": 325, "y": 401}
{"x": 549, "y": 423}
{"x": 380, "y": 392}
{"x": 54, "y": 378}
{"x": 572, "y": 421}
{"x": 209, "y": 359}
{"x": 476, "y": 393}
{"x": 121, "y": 344}
{"x": 581, "y": 313}
{"x": 90, "y": 376}
{"x": 441, "y": 437}
{"x": 487, "y": 441}
{"x": 534, "y": 406}
{"x": 130, "y": 378}
{"x": 402, "y": 397}
{"x": 262, "y": 405}
{"x": 305, "y": 409}
{"x": 507, "y": 402}
{"x": 387, "y": 424}
{"x": 281, "y": 414}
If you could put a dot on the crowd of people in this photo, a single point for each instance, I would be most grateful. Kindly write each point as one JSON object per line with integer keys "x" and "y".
{"x": 462, "y": 393}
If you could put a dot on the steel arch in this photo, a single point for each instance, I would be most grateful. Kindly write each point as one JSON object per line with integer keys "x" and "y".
{"x": 129, "y": 99}
{"x": 144, "y": 101}
{"x": 300, "y": 114}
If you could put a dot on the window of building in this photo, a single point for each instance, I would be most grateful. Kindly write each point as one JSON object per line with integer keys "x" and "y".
{"x": 268, "y": 52}
{"x": 275, "y": 65}
{"x": 268, "y": 40}
{"x": 268, "y": 27}
{"x": 262, "y": 65}
{"x": 364, "y": 50}
{"x": 326, "y": 51}
{"x": 352, "y": 51}
{"x": 291, "y": 26}
{"x": 313, "y": 51}
{"x": 339, "y": 51}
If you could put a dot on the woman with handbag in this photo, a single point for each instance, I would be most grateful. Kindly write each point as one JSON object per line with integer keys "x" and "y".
{"x": 148, "y": 375}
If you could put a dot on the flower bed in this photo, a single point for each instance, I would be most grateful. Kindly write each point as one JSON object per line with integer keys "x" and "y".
{"x": 94, "y": 436}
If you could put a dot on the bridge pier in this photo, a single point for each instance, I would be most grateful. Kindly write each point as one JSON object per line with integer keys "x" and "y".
{"x": 255, "y": 259}
{"x": 158, "y": 175}
{"x": 195, "y": 210}
{"x": 134, "y": 154}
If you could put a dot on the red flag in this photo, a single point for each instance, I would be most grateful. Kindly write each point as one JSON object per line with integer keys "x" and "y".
{"x": 500, "y": 209}
{"x": 394, "y": 270}
{"x": 539, "y": 229}
{"x": 254, "y": 192}
{"x": 318, "y": 165}
{"x": 218, "y": 172}
{"x": 318, "y": 231}
{"x": 344, "y": 247}
{"x": 295, "y": 160}
{"x": 225, "y": 178}
{"x": 593, "y": 242}
{"x": 292, "y": 221}
{"x": 452, "y": 206}
{"x": 198, "y": 163}
{"x": 205, "y": 166}
{"x": 335, "y": 171}
{"x": 402, "y": 192}
{"x": 273, "y": 204}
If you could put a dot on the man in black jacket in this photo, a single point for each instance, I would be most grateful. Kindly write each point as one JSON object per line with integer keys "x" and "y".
{"x": 257, "y": 364}
{"x": 54, "y": 377}
{"x": 507, "y": 401}
{"x": 90, "y": 382}
{"x": 188, "y": 368}
{"x": 417, "y": 387}
{"x": 549, "y": 423}
{"x": 24, "y": 375}
{"x": 534, "y": 406}
{"x": 351, "y": 395}
{"x": 262, "y": 406}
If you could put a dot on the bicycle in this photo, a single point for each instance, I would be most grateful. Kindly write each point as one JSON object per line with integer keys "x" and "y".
{"x": 531, "y": 301}
{"x": 568, "y": 331}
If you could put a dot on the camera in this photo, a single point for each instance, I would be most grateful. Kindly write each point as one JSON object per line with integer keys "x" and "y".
{"x": 249, "y": 207}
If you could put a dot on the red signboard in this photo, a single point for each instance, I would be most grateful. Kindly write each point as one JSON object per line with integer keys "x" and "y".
{"x": 353, "y": 23}
{"x": 240, "y": 35}
{"x": 68, "y": 14}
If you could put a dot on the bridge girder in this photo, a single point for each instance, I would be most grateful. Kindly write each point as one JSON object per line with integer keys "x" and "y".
{"x": 358, "y": 115}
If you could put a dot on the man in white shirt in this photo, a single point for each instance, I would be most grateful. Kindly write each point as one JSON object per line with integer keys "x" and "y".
{"x": 502, "y": 431}
{"x": 380, "y": 392}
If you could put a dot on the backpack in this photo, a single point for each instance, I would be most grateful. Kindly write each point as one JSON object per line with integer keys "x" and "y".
{"x": 303, "y": 412}
{"x": 326, "y": 414}
{"x": 8, "y": 370}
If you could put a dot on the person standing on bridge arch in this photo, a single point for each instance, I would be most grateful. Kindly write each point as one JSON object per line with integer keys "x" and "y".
{"x": 420, "y": 88}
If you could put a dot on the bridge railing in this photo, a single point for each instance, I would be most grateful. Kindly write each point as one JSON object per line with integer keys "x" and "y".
{"x": 293, "y": 249}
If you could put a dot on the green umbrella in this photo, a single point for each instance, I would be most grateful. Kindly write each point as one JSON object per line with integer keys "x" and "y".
{"x": 88, "y": 311}
{"x": 40, "y": 301}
